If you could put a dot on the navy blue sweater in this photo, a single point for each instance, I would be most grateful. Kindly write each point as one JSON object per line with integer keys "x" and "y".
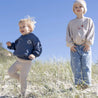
{"x": 26, "y": 45}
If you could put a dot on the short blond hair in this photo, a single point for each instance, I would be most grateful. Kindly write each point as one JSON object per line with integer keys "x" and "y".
{"x": 83, "y": 3}
{"x": 30, "y": 22}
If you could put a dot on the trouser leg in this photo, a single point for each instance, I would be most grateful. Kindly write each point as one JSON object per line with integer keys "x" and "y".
{"x": 86, "y": 67}
{"x": 13, "y": 70}
{"x": 23, "y": 76}
{"x": 76, "y": 67}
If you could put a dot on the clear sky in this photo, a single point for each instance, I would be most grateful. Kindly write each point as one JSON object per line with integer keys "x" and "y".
{"x": 52, "y": 17}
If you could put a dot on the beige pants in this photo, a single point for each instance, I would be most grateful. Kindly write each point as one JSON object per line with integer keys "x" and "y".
{"x": 23, "y": 66}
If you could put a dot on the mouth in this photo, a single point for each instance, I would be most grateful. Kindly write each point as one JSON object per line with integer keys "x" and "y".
{"x": 78, "y": 10}
{"x": 22, "y": 31}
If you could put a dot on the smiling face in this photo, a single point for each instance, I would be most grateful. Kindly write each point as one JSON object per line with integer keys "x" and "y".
{"x": 24, "y": 28}
{"x": 78, "y": 9}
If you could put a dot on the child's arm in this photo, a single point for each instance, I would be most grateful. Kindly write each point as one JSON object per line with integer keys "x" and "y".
{"x": 37, "y": 49}
{"x": 11, "y": 45}
{"x": 69, "y": 41}
{"x": 90, "y": 34}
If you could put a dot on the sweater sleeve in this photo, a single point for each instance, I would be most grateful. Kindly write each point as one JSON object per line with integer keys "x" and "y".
{"x": 37, "y": 47}
{"x": 69, "y": 41}
{"x": 13, "y": 45}
{"x": 90, "y": 34}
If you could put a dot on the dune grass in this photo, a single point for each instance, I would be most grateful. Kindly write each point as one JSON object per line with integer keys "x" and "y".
{"x": 48, "y": 79}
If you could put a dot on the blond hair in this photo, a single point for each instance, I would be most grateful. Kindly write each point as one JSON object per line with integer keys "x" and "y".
{"x": 83, "y": 3}
{"x": 30, "y": 22}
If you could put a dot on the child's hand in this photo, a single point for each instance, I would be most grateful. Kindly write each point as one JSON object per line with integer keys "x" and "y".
{"x": 86, "y": 47}
{"x": 31, "y": 56}
{"x": 8, "y": 43}
{"x": 73, "y": 48}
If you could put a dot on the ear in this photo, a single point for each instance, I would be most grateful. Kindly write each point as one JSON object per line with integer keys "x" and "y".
{"x": 74, "y": 11}
{"x": 30, "y": 29}
{"x": 84, "y": 11}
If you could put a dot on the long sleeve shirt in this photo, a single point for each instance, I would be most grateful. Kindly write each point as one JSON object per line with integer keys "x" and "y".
{"x": 26, "y": 45}
{"x": 80, "y": 31}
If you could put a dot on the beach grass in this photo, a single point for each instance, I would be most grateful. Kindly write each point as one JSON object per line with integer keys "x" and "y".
{"x": 46, "y": 79}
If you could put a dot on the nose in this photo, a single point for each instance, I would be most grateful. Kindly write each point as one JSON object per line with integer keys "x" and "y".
{"x": 78, "y": 7}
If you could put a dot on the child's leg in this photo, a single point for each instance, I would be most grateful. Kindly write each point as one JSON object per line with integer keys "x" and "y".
{"x": 23, "y": 75}
{"x": 13, "y": 70}
{"x": 86, "y": 67}
{"x": 76, "y": 66}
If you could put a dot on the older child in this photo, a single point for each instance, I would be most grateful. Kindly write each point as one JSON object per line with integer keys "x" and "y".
{"x": 80, "y": 37}
{"x": 26, "y": 48}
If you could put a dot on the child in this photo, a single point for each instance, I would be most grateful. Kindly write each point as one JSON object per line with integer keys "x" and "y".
{"x": 80, "y": 37}
{"x": 26, "y": 48}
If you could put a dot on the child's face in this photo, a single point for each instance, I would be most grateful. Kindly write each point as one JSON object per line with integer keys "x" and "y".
{"x": 24, "y": 28}
{"x": 78, "y": 9}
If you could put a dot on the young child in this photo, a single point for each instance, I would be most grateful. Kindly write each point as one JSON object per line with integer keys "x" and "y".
{"x": 80, "y": 37}
{"x": 26, "y": 48}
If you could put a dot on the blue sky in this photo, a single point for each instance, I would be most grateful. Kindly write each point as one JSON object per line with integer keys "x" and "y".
{"x": 52, "y": 17}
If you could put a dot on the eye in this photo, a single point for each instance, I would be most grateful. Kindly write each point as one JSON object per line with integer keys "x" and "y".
{"x": 24, "y": 26}
{"x": 81, "y": 6}
{"x": 76, "y": 7}
{"x": 20, "y": 27}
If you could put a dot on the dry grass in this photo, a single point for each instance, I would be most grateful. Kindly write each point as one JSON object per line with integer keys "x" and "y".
{"x": 50, "y": 79}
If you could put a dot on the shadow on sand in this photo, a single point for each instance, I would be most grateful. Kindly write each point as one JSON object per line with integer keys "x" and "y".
{"x": 17, "y": 97}
{"x": 7, "y": 97}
